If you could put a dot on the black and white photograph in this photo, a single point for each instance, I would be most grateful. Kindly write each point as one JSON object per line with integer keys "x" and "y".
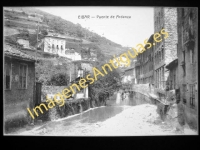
{"x": 100, "y": 71}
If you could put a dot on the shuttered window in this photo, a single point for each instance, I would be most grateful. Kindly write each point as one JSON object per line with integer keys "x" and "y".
{"x": 8, "y": 76}
{"x": 23, "y": 70}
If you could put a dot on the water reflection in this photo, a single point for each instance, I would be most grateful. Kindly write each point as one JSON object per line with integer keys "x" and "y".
{"x": 96, "y": 115}
{"x": 91, "y": 116}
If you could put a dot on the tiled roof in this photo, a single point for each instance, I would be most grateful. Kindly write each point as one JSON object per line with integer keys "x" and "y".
{"x": 12, "y": 51}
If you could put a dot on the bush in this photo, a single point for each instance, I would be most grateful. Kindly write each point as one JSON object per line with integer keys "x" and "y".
{"x": 59, "y": 79}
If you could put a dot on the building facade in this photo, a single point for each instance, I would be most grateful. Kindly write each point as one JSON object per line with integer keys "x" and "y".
{"x": 57, "y": 45}
{"x": 172, "y": 80}
{"x": 19, "y": 83}
{"x": 188, "y": 62}
{"x": 166, "y": 50}
{"x": 129, "y": 74}
{"x": 145, "y": 65}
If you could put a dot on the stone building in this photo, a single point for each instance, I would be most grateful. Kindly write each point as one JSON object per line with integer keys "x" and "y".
{"x": 172, "y": 80}
{"x": 188, "y": 62}
{"x": 166, "y": 50}
{"x": 145, "y": 65}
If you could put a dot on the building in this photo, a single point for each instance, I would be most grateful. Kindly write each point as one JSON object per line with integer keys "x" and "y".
{"x": 172, "y": 80}
{"x": 145, "y": 64}
{"x": 129, "y": 74}
{"x": 166, "y": 50}
{"x": 188, "y": 62}
{"x": 54, "y": 44}
{"x": 72, "y": 54}
{"x": 19, "y": 83}
{"x": 23, "y": 42}
{"x": 119, "y": 63}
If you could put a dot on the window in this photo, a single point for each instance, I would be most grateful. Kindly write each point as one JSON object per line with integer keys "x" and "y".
{"x": 162, "y": 51}
{"x": 163, "y": 76}
{"x": 182, "y": 33}
{"x": 49, "y": 47}
{"x": 57, "y": 47}
{"x": 191, "y": 56}
{"x": 191, "y": 30}
{"x": 192, "y": 96}
{"x": 8, "y": 73}
{"x": 184, "y": 92}
{"x": 183, "y": 65}
{"x": 23, "y": 70}
{"x": 174, "y": 81}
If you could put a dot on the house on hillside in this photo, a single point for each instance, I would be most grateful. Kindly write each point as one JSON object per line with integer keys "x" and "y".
{"x": 24, "y": 42}
{"x": 19, "y": 83}
{"x": 55, "y": 44}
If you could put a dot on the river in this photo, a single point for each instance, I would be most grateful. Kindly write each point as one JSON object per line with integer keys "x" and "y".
{"x": 111, "y": 120}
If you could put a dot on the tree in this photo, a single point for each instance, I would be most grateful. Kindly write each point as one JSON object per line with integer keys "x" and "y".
{"x": 44, "y": 32}
{"x": 106, "y": 84}
{"x": 52, "y": 71}
{"x": 59, "y": 79}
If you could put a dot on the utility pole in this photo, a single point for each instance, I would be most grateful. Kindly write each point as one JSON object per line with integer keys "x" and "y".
{"x": 70, "y": 74}
{"x": 36, "y": 42}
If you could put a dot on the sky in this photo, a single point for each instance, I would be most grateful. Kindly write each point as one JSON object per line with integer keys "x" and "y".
{"x": 125, "y": 31}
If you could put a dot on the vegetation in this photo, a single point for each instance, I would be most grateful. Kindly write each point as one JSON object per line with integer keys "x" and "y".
{"x": 52, "y": 72}
{"x": 59, "y": 79}
{"x": 59, "y": 25}
{"x": 107, "y": 84}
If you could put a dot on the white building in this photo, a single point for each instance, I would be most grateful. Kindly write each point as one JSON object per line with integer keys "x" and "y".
{"x": 130, "y": 74}
{"x": 123, "y": 63}
{"x": 57, "y": 44}
{"x": 71, "y": 54}
{"x": 23, "y": 42}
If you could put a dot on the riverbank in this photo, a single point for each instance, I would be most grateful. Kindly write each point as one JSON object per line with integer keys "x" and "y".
{"x": 138, "y": 120}
{"x": 133, "y": 121}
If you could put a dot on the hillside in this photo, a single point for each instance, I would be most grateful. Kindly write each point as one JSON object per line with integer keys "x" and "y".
{"x": 64, "y": 27}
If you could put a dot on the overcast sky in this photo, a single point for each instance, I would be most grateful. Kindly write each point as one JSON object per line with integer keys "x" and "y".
{"x": 127, "y": 32}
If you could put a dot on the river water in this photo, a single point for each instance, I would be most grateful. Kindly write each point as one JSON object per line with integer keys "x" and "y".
{"x": 91, "y": 120}
{"x": 91, "y": 116}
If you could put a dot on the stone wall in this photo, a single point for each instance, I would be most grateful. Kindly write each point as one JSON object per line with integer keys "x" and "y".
{"x": 51, "y": 90}
{"x": 170, "y": 43}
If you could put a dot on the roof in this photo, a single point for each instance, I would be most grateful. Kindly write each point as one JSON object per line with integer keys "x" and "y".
{"x": 14, "y": 52}
{"x": 129, "y": 68}
{"x": 55, "y": 36}
{"x": 150, "y": 40}
{"x": 172, "y": 64}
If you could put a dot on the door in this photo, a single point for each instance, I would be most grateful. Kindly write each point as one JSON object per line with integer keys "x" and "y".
{"x": 38, "y": 93}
